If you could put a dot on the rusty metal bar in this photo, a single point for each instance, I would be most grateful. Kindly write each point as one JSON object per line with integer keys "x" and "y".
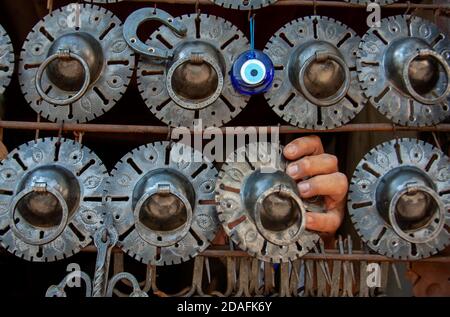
{"x": 330, "y": 254}
{"x": 164, "y": 130}
{"x": 319, "y": 3}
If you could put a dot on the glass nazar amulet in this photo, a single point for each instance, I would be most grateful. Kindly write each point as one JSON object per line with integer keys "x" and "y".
{"x": 252, "y": 73}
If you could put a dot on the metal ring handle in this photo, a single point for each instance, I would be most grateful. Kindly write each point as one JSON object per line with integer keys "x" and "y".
{"x": 286, "y": 236}
{"x": 407, "y": 81}
{"x": 58, "y": 290}
{"x": 59, "y": 229}
{"x": 137, "y": 292}
{"x": 137, "y": 18}
{"x": 199, "y": 60}
{"x": 320, "y": 56}
{"x": 393, "y": 220}
{"x": 151, "y": 236}
{"x": 79, "y": 94}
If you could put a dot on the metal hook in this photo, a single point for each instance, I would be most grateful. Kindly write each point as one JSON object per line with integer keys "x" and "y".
{"x": 407, "y": 8}
{"x": 197, "y": 10}
{"x": 250, "y": 15}
{"x": 50, "y": 6}
{"x": 60, "y": 131}
{"x": 169, "y": 137}
{"x": 436, "y": 14}
{"x": 143, "y": 15}
{"x": 79, "y": 136}
{"x": 36, "y": 136}
{"x": 394, "y": 132}
{"x": 436, "y": 140}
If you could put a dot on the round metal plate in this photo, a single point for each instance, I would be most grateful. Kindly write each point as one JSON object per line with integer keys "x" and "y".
{"x": 116, "y": 71}
{"x": 288, "y": 102}
{"x": 91, "y": 175}
{"x": 6, "y": 60}
{"x": 372, "y": 228}
{"x": 227, "y": 39}
{"x": 124, "y": 178}
{"x": 239, "y": 224}
{"x": 244, "y": 4}
{"x": 391, "y": 102}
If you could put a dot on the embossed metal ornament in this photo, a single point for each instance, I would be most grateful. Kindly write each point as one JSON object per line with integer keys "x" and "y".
{"x": 6, "y": 60}
{"x": 75, "y": 64}
{"x": 244, "y": 4}
{"x": 163, "y": 203}
{"x": 190, "y": 80}
{"x": 399, "y": 199}
{"x": 316, "y": 84}
{"x": 259, "y": 205}
{"x": 50, "y": 199}
{"x": 404, "y": 70}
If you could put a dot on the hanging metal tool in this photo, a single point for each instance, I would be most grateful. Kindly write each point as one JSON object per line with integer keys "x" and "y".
{"x": 141, "y": 16}
{"x": 6, "y": 60}
{"x": 244, "y": 4}
{"x": 404, "y": 70}
{"x": 105, "y": 238}
{"x": 183, "y": 69}
{"x": 50, "y": 199}
{"x": 316, "y": 84}
{"x": 399, "y": 200}
{"x": 163, "y": 203}
{"x": 75, "y": 64}
{"x": 259, "y": 205}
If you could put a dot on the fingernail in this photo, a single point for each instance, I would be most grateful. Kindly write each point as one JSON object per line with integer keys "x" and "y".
{"x": 291, "y": 149}
{"x": 292, "y": 169}
{"x": 304, "y": 188}
{"x": 309, "y": 220}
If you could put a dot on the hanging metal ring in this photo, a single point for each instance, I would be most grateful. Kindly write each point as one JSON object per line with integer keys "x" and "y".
{"x": 441, "y": 214}
{"x": 59, "y": 229}
{"x": 407, "y": 81}
{"x": 320, "y": 56}
{"x": 151, "y": 236}
{"x": 195, "y": 58}
{"x": 287, "y": 236}
{"x": 63, "y": 55}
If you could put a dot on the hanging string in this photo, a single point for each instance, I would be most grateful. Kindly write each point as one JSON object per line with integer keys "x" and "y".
{"x": 252, "y": 32}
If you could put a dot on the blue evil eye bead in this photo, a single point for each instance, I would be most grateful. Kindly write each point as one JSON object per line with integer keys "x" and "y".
{"x": 252, "y": 73}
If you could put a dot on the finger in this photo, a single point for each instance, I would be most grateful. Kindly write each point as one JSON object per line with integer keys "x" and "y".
{"x": 335, "y": 186}
{"x": 327, "y": 222}
{"x": 308, "y": 145}
{"x": 312, "y": 166}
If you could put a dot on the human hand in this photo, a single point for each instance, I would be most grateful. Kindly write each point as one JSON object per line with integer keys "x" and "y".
{"x": 323, "y": 179}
